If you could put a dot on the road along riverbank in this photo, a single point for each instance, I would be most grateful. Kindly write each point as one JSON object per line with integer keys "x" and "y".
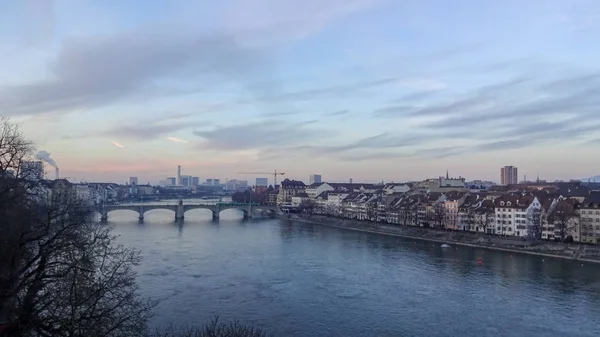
{"x": 574, "y": 251}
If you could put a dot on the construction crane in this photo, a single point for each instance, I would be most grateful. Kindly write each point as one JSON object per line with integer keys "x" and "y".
{"x": 274, "y": 173}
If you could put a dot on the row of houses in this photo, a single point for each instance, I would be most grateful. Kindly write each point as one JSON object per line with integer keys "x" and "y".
{"x": 89, "y": 193}
{"x": 546, "y": 212}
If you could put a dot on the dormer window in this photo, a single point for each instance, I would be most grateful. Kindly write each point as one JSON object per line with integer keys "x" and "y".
{"x": 501, "y": 203}
{"x": 508, "y": 203}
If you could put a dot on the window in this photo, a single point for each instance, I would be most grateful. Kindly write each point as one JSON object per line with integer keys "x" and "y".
{"x": 508, "y": 203}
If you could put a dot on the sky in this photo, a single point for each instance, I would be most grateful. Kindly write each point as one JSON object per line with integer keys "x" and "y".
{"x": 365, "y": 89}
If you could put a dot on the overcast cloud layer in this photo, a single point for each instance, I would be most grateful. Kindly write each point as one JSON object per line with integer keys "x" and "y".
{"x": 369, "y": 89}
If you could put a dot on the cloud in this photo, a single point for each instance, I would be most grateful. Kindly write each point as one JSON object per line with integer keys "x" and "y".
{"x": 117, "y": 144}
{"x": 176, "y": 140}
{"x": 99, "y": 70}
{"x": 424, "y": 84}
{"x": 146, "y": 130}
{"x": 372, "y": 156}
{"x": 358, "y": 147}
{"x": 279, "y": 114}
{"x": 339, "y": 90}
{"x": 339, "y": 113}
{"x": 291, "y": 19}
{"x": 394, "y": 111}
{"x": 153, "y": 61}
{"x": 260, "y": 135}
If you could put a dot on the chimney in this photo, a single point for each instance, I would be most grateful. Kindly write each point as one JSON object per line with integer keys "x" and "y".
{"x": 56, "y": 173}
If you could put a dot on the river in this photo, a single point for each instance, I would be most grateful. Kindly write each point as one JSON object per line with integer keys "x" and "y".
{"x": 297, "y": 279}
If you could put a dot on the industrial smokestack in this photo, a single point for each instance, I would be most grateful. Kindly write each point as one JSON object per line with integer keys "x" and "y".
{"x": 57, "y": 173}
{"x": 45, "y": 156}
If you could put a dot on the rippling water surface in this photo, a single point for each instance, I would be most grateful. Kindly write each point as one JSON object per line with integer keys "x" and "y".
{"x": 303, "y": 280}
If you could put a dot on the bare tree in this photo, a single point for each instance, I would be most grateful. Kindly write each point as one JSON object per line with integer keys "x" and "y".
{"x": 486, "y": 218}
{"x": 307, "y": 206}
{"x": 562, "y": 218}
{"x": 438, "y": 215}
{"x": 61, "y": 274}
{"x": 215, "y": 328}
{"x": 371, "y": 210}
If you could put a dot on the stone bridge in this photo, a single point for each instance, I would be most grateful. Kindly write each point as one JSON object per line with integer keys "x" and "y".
{"x": 180, "y": 209}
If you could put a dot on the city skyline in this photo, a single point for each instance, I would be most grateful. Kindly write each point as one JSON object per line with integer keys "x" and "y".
{"x": 368, "y": 89}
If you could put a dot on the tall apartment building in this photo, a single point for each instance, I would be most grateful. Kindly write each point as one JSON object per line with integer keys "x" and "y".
{"x": 314, "y": 178}
{"x": 179, "y": 175}
{"x": 185, "y": 181}
{"x": 508, "y": 175}
{"x": 212, "y": 182}
{"x": 263, "y": 182}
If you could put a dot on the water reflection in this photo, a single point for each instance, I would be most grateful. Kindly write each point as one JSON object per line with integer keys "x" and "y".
{"x": 310, "y": 280}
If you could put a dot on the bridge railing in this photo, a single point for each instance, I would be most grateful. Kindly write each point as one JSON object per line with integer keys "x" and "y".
{"x": 237, "y": 204}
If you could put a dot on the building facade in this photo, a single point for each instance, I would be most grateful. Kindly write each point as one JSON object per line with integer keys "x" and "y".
{"x": 262, "y": 182}
{"x": 236, "y": 185}
{"x": 32, "y": 170}
{"x": 518, "y": 215}
{"x": 315, "y": 189}
{"x": 288, "y": 189}
{"x": 508, "y": 175}
{"x": 589, "y": 219}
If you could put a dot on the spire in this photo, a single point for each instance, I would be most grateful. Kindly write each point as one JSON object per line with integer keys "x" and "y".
{"x": 447, "y": 176}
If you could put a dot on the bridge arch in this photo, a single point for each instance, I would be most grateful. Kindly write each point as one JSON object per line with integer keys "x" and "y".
{"x": 205, "y": 210}
{"x": 180, "y": 209}
{"x": 245, "y": 212}
{"x": 151, "y": 209}
{"x": 104, "y": 214}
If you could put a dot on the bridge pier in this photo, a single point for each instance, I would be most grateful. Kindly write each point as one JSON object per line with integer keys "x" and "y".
{"x": 103, "y": 214}
{"x": 180, "y": 210}
{"x": 215, "y": 215}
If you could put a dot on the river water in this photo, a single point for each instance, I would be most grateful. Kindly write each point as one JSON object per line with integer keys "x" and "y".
{"x": 297, "y": 279}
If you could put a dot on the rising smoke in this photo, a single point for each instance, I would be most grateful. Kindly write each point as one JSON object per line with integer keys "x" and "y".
{"x": 45, "y": 156}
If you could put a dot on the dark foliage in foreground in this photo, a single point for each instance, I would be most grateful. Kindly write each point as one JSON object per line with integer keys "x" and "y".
{"x": 61, "y": 272}
{"x": 215, "y": 328}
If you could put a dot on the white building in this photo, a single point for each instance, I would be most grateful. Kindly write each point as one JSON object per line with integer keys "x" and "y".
{"x": 236, "y": 185}
{"x": 315, "y": 189}
{"x": 518, "y": 215}
{"x": 395, "y": 188}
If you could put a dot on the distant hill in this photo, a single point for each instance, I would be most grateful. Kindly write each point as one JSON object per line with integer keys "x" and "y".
{"x": 592, "y": 179}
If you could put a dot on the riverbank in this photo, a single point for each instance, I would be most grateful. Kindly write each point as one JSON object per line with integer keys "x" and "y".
{"x": 574, "y": 251}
